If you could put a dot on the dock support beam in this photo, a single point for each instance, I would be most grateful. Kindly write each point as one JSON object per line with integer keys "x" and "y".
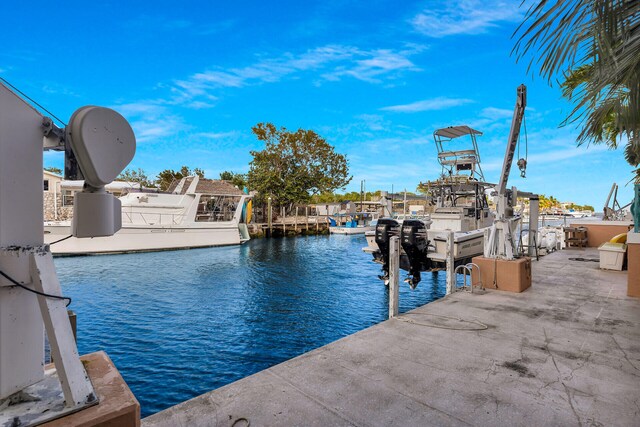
{"x": 394, "y": 275}
{"x": 451, "y": 276}
{"x": 269, "y": 216}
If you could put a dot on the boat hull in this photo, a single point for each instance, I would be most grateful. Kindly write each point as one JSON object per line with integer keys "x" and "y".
{"x": 350, "y": 230}
{"x": 141, "y": 239}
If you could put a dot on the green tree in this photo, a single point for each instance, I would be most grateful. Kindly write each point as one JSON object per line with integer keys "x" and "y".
{"x": 167, "y": 176}
{"x": 594, "y": 45}
{"x": 237, "y": 179}
{"x": 53, "y": 170}
{"x": 132, "y": 175}
{"x": 295, "y": 165}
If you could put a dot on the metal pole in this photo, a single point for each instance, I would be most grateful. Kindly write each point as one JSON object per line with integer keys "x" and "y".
{"x": 451, "y": 277}
{"x": 394, "y": 275}
{"x": 534, "y": 208}
{"x": 306, "y": 215}
{"x": 269, "y": 215}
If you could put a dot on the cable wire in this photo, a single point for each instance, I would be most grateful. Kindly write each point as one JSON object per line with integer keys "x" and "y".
{"x": 32, "y": 100}
{"x": 20, "y": 285}
{"x": 60, "y": 240}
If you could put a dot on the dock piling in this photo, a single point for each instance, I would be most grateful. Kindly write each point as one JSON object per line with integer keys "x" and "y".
{"x": 394, "y": 275}
{"x": 451, "y": 276}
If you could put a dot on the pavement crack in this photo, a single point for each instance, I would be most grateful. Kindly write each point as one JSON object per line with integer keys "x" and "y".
{"x": 315, "y": 399}
{"x": 573, "y": 409}
{"x": 491, "y": 370}
{"x": 547, "y": 340}
{"x": 624, "y": 353}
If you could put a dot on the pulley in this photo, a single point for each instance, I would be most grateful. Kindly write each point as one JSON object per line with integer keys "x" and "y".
{"x": 522, "y": 165}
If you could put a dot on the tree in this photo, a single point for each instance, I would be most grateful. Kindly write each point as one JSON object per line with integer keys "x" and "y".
{"x": 295, "y": 165}
{"x": 595, "y": 46}
{"x": 132, "y": 175}
{"x": 237, "y": 179}
{"x": 167, "y": 176}
{"x": 53, "y": 170}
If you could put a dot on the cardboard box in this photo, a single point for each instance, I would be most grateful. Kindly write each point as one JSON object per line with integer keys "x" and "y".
{"x": 511, "y": 276}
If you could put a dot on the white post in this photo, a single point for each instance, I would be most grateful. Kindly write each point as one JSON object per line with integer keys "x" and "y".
{"x": 487, "y": 242}
{"x": 394, "y": 275}
{"x": 450, "y": 259}
{"x": 21, "y": 226}
{"x": 534, "y": 209}
{"x": 75, "y": 385}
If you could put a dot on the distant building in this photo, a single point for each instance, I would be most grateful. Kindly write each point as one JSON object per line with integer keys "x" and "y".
{"x": 58, "y": 195}
{"x": 328, "y": 209}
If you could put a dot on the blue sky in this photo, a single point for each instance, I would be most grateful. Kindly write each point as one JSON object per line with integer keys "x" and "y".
{"x": 375, "y": 78}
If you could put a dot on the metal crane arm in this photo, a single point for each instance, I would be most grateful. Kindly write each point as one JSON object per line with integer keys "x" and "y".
{"x": 514, "y": 134}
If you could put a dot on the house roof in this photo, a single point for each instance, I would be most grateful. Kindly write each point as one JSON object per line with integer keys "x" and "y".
{"x": 112, "y": 186}
{"x": 217, "y": 186}
{"x": 46, "y": 172}
{"x": 208, "y": 186}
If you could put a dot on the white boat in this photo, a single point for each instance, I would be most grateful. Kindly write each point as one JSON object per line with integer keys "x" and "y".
{"x": 195, "y": 213}
{"x": 461, "y": 207}
{"x": 356, "y": 223}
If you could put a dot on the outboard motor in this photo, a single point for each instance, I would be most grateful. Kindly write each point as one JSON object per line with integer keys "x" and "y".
{"x": 385, "y": 228}
{"x": 414, "y": 241}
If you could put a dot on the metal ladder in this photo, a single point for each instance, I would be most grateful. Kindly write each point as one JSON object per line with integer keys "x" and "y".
{"x": 466, "y": 270}
{"x": 522, "y": 246}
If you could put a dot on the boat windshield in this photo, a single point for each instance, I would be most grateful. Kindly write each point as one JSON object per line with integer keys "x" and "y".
{"x": 217, "y": 208}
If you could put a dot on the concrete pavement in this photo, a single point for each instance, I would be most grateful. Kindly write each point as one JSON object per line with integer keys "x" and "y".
{"x": 565, "y": 352}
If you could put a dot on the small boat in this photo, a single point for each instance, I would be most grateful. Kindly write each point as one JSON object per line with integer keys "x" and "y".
{"x": 355, "y": 223}
{"x": 194, "y": 213}
{"x": 460, "y": 203}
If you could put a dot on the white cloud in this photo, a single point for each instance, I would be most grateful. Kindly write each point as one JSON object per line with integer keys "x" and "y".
{"x": 433, "y": 104}
{"x": 376, "y": 64}
{"x": 465, "y": 17}
{"x": 549, "y": 158}
{"x": 333, "y": 62}
{"x": 150, "y": 121}
{"x": 493, "y": 113}
{"x": 216, "y": 135}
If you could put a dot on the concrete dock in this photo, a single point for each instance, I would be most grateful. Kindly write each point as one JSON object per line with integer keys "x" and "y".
{"x": 565, "y": 352}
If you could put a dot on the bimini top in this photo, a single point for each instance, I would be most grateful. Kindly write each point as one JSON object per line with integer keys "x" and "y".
{"x": 456, "y": 131}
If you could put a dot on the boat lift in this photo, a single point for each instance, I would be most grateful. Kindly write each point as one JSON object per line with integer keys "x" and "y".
{"x": 500, "y": 239}
{"x": 102, "y": 143}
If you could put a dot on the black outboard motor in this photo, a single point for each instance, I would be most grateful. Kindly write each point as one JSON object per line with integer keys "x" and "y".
{"x": 386, "y": 228}
{"x": 414, "y": 241}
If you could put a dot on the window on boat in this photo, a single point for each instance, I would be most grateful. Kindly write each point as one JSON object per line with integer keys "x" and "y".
{"x": 217, "y": 208}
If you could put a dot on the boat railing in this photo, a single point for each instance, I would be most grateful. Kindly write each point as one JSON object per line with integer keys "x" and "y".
{"x": 152, "y": 218}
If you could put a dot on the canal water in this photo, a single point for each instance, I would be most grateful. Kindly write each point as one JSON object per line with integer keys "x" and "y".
{"x": 178, "y": 324}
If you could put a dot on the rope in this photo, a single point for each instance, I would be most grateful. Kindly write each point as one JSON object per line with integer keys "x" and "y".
{"x": 481, "y": 325}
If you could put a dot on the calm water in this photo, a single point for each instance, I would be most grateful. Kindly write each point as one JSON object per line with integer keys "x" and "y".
{"x": 178, "y": 324}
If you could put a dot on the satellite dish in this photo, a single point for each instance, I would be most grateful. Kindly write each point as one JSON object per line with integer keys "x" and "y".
{"x": 103, "y": 143}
